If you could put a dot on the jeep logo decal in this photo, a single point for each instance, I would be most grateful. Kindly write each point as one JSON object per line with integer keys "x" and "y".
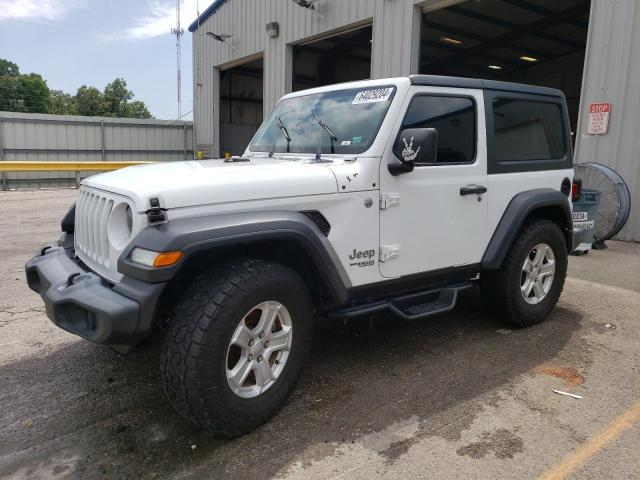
{"x": 363, "y": 258}
{"x": 362, "y": 254}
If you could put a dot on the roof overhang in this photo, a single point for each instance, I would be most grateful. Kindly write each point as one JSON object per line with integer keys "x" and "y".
{"x": 210, "y": 10}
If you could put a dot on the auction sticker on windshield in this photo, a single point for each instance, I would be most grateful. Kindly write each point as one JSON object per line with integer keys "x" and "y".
{"x": 373, "y": 96}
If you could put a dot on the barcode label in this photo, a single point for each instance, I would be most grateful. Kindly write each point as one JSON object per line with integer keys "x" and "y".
{"x": 581, "y": 226}
{"x": 373, "y": 96}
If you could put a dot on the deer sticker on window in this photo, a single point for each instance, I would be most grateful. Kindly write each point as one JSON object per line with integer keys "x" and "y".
{"x": 408, "y": 153}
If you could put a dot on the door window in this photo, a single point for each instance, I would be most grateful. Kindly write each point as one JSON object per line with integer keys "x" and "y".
{"x": 455, "y": 120}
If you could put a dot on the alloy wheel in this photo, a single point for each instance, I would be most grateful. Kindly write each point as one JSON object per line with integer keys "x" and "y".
{"x": 259, "y": 349}
{"x": 538, "y": 272}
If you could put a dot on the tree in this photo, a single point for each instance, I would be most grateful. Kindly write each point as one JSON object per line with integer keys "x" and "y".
{"x": 30, "y": 93}
{"x": 90, "y": 102}
{"x": 113, "y": 102}
{"x": 62, "y": 103}
{"x": 137, "y": 109}
{"x": 116, "y": 97}
{"x": 9, "y": 100}
{"x": 24, "y": 93}
{"x": 118, "y": 101}
{"x": 8, "y": 68}
{"x": 35, "y": 93}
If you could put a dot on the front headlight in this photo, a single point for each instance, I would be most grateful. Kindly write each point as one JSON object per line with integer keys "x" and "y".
{"x": 154, "y": 259}
{"x": 120, "y": 226}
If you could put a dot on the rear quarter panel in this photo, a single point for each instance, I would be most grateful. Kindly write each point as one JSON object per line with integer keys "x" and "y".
{"x": 503, "y": 187}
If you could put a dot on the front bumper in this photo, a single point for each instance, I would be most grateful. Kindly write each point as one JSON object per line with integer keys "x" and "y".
{"x": 82, "y": 303}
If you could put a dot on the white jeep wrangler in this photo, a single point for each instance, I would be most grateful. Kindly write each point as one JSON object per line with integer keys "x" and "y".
{"x": 385, "y": 195}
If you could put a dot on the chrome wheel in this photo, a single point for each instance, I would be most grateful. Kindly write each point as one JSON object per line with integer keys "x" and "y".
{"x": 259, "y": 349}
{"x": 538, "y": 272}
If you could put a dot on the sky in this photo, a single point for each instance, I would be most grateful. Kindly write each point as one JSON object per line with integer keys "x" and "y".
{"x": 91, "y": 42}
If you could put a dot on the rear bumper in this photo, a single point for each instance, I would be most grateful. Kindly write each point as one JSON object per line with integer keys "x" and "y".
{"x": 82, "y": 303}
{"x": 575, "y": 239}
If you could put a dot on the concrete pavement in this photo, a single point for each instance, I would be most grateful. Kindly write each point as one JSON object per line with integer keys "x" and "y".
{"x": 459, "y": 396}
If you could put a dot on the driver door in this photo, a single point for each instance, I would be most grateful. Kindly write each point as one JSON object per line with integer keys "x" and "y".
{"x": 433, "y": 218}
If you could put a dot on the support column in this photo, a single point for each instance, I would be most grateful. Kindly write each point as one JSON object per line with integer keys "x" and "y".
{"x": 215, "y": 135}
{"x": 416, "y": 41}
{"x": 102, "y": 146}
{"x": 396, "y": 39}
{"x": 278, "y": 69}
{"x": 184, "y": 140}
{"x": 4, "y": 174}
{"x": 288, "y": 68}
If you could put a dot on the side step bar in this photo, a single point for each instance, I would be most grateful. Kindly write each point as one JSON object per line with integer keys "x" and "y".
{"x": 415, "y": 306}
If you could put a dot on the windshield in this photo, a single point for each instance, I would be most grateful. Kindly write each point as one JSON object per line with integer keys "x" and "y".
{"x": 341, "y": 121}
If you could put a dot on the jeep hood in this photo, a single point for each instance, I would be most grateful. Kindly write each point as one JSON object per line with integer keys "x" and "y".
{"x": 191, "y": 183}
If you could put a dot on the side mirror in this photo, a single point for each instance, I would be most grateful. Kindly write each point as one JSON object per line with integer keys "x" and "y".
{"x": 414, "y": 145}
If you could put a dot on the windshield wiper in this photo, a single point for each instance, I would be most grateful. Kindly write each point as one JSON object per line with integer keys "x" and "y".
{"x": 326, "y": 128}
{"x": 285, "y": 132}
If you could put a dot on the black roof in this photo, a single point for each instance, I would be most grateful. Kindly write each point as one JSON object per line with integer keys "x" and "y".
{"x": 461, "y": 82}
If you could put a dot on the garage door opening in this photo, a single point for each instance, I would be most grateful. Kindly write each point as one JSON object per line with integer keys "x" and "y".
{"x": 334, "y": 59}
{"x": 241, "y": 94}
{"x": 540, "y": 42}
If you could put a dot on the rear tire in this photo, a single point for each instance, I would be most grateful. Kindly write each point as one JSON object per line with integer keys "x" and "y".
{"x": 526, "y": 288}
{"x": 208, "y": 374}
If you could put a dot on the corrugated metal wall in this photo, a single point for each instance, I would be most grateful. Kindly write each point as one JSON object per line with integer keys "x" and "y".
{"x": 57, "y": 138}
{"x": 612, "y": 74}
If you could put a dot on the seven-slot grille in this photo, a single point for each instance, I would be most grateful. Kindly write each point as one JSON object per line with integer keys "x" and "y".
{"x": 92, "y": 214}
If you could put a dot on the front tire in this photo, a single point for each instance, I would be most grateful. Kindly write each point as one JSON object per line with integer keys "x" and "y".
{"x": 529, "y": 283}
{"x": 236, "y": 344}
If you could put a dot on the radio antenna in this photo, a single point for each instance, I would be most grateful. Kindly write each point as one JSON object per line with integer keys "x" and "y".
{"x": 178, "y": 31}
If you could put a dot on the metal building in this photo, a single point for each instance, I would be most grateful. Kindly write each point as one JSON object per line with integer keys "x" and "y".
{"x": 248, "y": 53}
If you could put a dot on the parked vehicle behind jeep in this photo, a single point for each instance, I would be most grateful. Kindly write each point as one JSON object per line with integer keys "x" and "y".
{"x": 385, "y": 195}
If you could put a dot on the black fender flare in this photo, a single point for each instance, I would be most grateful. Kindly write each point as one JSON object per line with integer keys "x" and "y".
{"x": 519, "y": 208}
{"x": 195, "y": 235}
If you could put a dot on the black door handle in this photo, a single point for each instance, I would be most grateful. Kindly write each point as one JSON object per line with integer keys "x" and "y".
{"x": 473, "y": 190}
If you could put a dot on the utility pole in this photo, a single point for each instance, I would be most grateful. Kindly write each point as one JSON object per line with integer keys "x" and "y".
{"x": 178, "y": 32}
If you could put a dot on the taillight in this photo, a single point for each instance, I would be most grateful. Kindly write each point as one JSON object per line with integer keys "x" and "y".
{"x": 576, "y": 188}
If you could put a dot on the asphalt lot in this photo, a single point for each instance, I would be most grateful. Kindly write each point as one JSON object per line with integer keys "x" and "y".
{"x": 460, "y": 396}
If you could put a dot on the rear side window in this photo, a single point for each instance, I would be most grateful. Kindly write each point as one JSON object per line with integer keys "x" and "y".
{"x": 455, "y": 120}
{"x": 528, "y": 130}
